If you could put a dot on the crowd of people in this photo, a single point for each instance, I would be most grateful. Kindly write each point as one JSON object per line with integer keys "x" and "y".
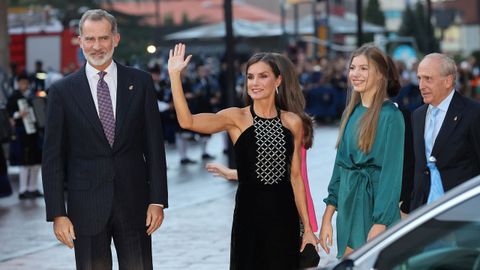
{"x": 404, "y": 140}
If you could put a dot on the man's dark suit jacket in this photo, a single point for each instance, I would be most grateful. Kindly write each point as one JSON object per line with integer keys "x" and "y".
{"x": 408, "y": 163}
{"x": 457, "y": 147}
{"x": 131, "y": 174}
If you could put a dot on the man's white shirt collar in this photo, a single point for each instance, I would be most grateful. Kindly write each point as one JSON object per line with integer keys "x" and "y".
{"x": 111, "y": 70}
{"x": 443, "y": 106}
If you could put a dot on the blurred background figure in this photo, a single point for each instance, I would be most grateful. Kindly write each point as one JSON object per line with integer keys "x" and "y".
{"x": 38, "y": 77}
{"x": 183, "y": 136}
{"x": 208, "y": 97}
{"x": 25, "y": 149}
{"x": 51, "y": 77}
{"x": 5, "y": 135}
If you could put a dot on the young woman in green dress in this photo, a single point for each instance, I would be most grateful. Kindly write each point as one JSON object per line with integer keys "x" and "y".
{"x": 367, "y": 177}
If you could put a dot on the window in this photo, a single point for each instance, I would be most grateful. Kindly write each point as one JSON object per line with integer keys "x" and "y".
{"x": 451, "y": 240}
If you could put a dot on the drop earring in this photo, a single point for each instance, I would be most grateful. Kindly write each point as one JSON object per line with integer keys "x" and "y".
{"x": 276, "y": 89}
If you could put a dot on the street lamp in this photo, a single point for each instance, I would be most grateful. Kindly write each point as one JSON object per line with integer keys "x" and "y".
{"x": 151, "y": 49}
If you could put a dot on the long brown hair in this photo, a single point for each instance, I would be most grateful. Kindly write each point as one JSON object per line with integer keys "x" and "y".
{"x": 290, "y": 96}
{"x": 367, "y": 126}
{"x": 293, "y": 99}
{"x": 393, "y": 87}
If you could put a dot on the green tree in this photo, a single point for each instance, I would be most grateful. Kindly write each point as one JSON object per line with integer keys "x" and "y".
{"x": 422, "y": 27}
{"x": 185, "y": 19}
{"x": 427, "y": 30}
{"x": 168, "y": 19}
{"x": 374, "y": 14}
{"x": 408, "y": 27}
{"x": 416, "y": 24}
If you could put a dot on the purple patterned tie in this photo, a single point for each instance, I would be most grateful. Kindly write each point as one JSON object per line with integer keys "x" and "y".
{"x": 105, "y": 108}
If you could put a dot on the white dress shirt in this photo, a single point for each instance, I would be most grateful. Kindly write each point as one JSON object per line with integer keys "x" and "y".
{"x": 111, "y": 80}
{"x": 442, "y": 112}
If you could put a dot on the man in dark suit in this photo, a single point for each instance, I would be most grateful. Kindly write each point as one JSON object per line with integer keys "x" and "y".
{"x": 446, "y": 132}
{"x": 104, "y": 138}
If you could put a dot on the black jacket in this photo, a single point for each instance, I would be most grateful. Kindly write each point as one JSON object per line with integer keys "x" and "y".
{"x": 132, "y": 174}
{"x": 457, "y": 147}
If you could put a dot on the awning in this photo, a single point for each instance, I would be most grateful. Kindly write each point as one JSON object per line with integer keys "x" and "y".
{"x": 248, "y": 29}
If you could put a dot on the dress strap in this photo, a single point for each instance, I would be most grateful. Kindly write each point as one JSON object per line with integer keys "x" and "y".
{"x": 252, "y": 111}
{"x": 278, "y": 113}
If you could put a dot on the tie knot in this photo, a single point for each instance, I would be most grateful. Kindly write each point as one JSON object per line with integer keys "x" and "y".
{"x": 102, "y": 74}
{"x": 435, "y": 111}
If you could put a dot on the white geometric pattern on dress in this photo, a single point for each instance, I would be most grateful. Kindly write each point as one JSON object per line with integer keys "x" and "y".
{"x": 270, "y": 150}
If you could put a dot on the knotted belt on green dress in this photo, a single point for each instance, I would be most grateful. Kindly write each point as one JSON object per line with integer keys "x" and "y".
{"x": 355, "y": 204}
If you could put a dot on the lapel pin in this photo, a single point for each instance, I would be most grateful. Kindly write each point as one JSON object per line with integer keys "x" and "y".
{"x": 130, "y": 87}
{"x": 455, "y": 118}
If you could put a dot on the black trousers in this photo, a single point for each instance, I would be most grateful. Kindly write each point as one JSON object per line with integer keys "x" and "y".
{"x": 134, "y": 247}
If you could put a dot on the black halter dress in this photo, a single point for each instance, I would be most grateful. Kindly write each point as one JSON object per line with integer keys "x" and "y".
{"x": 265, "y": 232}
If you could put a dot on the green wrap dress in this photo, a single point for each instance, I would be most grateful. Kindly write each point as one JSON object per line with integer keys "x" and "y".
{"x": 365, "y": 187}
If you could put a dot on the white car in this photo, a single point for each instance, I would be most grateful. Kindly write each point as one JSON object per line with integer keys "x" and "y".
{"x": 442, "y": 235}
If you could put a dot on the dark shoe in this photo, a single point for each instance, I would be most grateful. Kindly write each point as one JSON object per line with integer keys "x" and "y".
{"x": 186, "y": 161}
{"x": 36, "y": 194}
{"x": 192, "y": 138}
{"x": 207, "y": 156}
{"x": 24, "y": 195}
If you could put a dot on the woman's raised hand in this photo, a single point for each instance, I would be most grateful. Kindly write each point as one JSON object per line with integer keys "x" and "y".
{"x": 177, "y": 61}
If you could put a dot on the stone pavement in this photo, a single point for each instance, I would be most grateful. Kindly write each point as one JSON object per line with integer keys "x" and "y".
{"x": 196, "y": 230}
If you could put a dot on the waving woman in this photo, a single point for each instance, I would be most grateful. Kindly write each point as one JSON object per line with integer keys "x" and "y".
{"x": 267, "y": 142}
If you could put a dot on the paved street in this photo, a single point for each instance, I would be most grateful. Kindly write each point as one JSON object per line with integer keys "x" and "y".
{"x": 196, "y": 230}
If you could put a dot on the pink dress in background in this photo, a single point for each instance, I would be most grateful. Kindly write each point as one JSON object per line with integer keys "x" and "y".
{"x": 310, "y": 207}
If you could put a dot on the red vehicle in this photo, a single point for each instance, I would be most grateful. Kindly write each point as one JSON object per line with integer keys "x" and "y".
{"x": 36, "y": 36}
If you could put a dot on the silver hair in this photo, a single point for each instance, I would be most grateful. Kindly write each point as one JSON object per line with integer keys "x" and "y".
{"x": 448, "y": 66}
{"x": 98, "y": 15}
